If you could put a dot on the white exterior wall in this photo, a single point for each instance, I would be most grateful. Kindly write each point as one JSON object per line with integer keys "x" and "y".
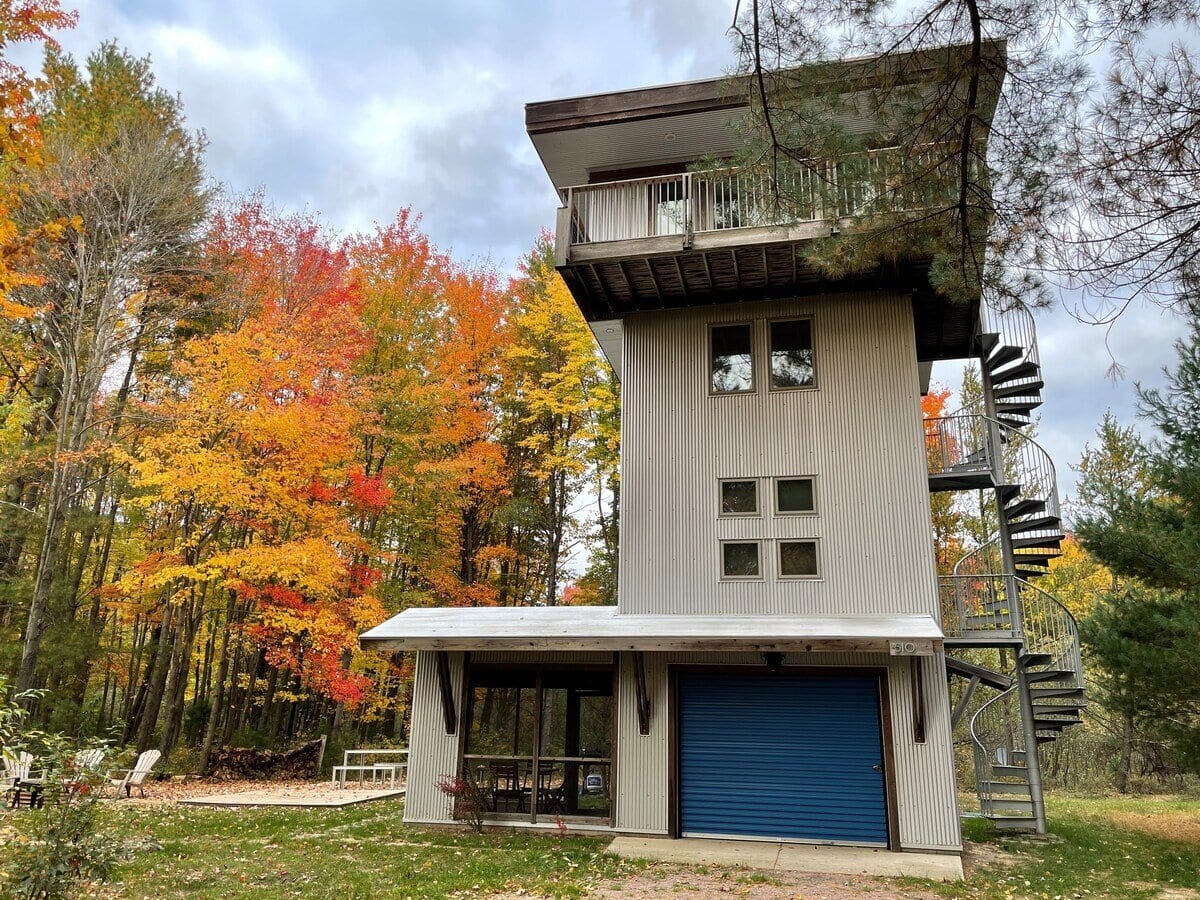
{"x": 431, "y": 752}
{"x": 858, "y": 432}
{"x": 927, "y": 799}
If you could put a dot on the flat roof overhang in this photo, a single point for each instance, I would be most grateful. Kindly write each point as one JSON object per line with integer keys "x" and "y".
{"x": 604, "y": 628}
{"x": 683, "y": 122}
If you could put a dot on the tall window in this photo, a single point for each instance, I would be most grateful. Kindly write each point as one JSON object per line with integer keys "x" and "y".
{"x": 792, "y": 355}
{"x": 732, "y": 359}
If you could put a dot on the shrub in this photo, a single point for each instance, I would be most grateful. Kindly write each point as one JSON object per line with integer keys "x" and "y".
{"x": 51, "y": 851}
{"x": 468, "y": 802}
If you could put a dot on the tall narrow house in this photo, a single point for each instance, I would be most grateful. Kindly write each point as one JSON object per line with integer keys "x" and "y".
{"x": 778, "y": 663}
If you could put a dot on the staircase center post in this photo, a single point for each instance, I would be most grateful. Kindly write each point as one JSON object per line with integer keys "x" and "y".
{"x": 1013, "y": 596}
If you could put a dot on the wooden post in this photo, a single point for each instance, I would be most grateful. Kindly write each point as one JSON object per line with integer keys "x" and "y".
{"x": 448, "y": 713}
{"x": 643, "y": 696}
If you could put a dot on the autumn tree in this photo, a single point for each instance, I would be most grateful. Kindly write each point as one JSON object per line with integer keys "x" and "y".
{"x": 249, "y": 483}
{"x": 21, "y": 150}
{"x": 121, "y": 162}
{"x": 561, "y": 405}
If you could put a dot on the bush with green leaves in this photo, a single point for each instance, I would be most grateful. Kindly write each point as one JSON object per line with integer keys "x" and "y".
{"x": 52, "y": 850}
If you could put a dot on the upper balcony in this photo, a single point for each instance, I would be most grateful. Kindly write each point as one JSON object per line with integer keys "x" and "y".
{"x": 727, "y": 235}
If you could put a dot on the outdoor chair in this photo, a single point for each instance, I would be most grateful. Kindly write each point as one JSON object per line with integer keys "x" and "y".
{"x": 507, "y": 785}
{"x": 128, "y": 779}
{"x": 18, "y": 768}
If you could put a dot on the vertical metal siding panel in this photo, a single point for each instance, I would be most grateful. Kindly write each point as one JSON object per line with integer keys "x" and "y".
{"x": 431, "y": 751}
{"x": 859, "y": 432}
{"x": 642, "y": 760}
{"x": 925, "y": 782}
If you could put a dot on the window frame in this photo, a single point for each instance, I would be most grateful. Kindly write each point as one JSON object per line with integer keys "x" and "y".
{"x": 816, "y": 542}
{"x": 758, "y": 544}
{"x": 708, "y": 358}
{"x": 775, "y": 481}
{"x": 812, "y": 332}
{"x": 758, "y": 504}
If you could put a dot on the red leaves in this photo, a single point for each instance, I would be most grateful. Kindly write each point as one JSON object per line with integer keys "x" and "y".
{"x": 368, "y": 492}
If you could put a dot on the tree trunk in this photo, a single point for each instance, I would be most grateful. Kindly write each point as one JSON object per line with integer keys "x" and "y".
{"x": 1123, "y": 762}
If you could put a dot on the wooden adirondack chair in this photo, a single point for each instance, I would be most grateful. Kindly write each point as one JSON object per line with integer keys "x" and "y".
{"x": 18, "y": 770}
{"x": 88, "y": 760}
{"x": 16, "y": 766}
{"x": 128, "y": 779}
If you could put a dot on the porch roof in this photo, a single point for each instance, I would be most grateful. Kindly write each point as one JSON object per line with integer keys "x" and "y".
{"x": 604, "y": 628}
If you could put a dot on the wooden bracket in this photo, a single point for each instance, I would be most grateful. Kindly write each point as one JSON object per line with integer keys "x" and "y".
{"x": 447, "y": 691}
{"x": 643, "y": 696}
{"x": 918, "y": 699}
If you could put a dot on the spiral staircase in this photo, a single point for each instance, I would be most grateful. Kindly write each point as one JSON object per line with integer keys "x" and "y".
{"x": 990, "y": 601}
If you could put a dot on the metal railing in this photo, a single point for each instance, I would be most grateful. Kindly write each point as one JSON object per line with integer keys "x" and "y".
{"x": 889, "y": 179}
{"x": 997, "y": 738}
{"x": 997, "y": 733}
{"x": 957, "y": 445}
{"x": 977, "y": 604}
{"x": 1015, "y": 326}
{"x": 1051, "y": 629}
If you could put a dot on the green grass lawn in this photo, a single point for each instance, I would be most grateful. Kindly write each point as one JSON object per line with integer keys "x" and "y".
{"x": 1119, "y": 848}
{"x": 355, "y": 851}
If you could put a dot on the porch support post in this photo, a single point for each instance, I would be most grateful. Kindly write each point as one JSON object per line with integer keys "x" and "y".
{"x": 447, "y": 691}
{"x": 643, "y": 696}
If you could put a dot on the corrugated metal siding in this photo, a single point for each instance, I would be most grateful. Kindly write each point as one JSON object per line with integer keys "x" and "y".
{"x": 782, "y": 756}
{"x": 859, "y": 432}
{"x": 925, "y": 785}
{"x": 927, "y": 792}
{"x": 431, "y": 751}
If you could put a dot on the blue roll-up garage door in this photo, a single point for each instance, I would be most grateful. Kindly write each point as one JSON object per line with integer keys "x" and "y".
{"x": 783, "y": 756}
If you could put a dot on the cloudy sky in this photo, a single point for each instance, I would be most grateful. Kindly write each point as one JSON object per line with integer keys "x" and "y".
{"x": 355, "y": 109}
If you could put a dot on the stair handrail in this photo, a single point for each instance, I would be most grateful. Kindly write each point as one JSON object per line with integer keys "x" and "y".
{"x": 1015, "y": 325}
{"x": 1025, "y": 461}
{"x": 1050, "y": 628}
{"x": 989, "y": 544}
{"x": 996, "y": 737}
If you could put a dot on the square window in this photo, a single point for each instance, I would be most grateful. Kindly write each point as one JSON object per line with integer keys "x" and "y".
{"x": 795, "y": 495}
{"x": 739, "y": 559}
{"x": 798, "y": 559}
{"x": 739, "y": 498}
{"x": 792, "y": 355}
{"x": 731, "y": 360}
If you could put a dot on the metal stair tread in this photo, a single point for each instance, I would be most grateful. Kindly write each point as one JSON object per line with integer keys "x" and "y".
{"x": 1023, "y": 507}
{"x": 1004, "y": 354}
{"x": 1029, "y": 389}
{"x": 1020, "y": 370}
{"x": 1035, "y": 523}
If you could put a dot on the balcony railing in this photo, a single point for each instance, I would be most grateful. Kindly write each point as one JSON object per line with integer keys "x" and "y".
{"x": 887, "y": 179}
